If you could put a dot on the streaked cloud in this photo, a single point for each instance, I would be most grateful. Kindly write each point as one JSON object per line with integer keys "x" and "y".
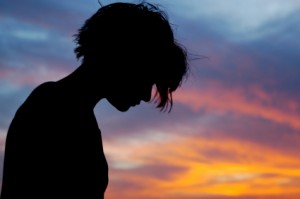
{"x": 201, "y": 169}
{"x": 253, "y": 102}
{"x": 29, "y": 35}
{"x": 239, "y": 20}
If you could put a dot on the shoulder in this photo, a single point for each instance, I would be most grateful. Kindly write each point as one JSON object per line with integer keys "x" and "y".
{"x": 35, "y": 108}
{"x": 43, "y": 89}
{"x": 39, "y": 98}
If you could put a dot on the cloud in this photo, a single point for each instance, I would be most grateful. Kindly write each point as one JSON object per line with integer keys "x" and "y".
{"x": 48, "y": 15}
{"x": 237, "y": 101}
{"x": 26, "y": 45}
{"x": 245, "y": 171}
{"x": 239, "y": 20}
{"x": 233, "y": 131}
{"x": 32, "y": 77}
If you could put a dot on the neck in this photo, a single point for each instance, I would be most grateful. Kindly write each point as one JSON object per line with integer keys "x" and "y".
{"x": 81, "y": 86}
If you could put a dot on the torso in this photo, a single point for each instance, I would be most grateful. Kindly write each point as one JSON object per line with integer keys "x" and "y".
{"x": 54, "y": 148}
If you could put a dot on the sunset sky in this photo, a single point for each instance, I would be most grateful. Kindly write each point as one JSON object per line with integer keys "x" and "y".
{"x": 234, "y": 131}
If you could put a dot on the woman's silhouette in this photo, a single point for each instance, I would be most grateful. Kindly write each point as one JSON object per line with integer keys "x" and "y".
{"x": 53, "y": 146}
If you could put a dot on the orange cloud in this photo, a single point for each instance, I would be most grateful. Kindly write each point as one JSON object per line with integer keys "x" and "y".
{"x": 219, "y": 167}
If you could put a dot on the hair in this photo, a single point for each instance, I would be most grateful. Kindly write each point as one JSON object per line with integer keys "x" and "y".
{"x": 107, "y": 35}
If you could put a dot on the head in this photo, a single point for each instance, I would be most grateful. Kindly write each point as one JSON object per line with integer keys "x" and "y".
{"x": 133, "y": 46}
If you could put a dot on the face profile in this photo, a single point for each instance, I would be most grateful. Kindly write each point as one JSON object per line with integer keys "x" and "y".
{"x": 126, "y": 51}
{"x": 132, "y": 93}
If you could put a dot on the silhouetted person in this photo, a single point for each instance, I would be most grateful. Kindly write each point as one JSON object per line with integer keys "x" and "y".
{"x": 54, "y": 147}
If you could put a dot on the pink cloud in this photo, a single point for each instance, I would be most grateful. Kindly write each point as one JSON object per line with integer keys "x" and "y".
{"x": 253, "y": 101}
{"x": 33, "y": 76}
